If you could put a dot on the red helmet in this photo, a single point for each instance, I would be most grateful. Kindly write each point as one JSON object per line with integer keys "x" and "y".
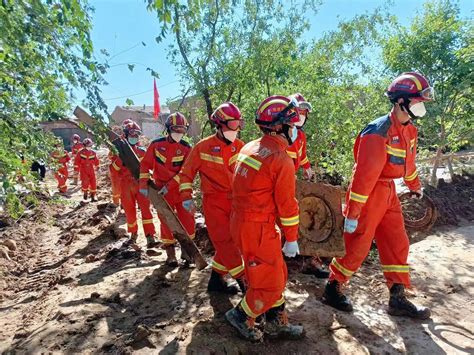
{"x": 87, "y": 142}
{"x": 131, "y": 129}
{"x": 126, "y": 122}
{"x": 227, "y": 114}
{"x": 76, "y": 137}
{"x": 176, "y": 122}
{"x": 303, "y": 105}
{"x": 276, "y": 110}
{"x": 410, "y": 85}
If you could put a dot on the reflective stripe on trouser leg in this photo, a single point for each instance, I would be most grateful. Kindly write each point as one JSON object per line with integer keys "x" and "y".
{"x": 217, "y": 215}
{"x": 358, "y": 244}
{"x": 393, "y": 244}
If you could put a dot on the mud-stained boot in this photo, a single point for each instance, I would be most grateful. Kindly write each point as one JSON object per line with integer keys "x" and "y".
{"x": 314, "y": 268}
{"x": 399, "y": 305}
{"x": 86, "y": 195}
{"x": 242, "y": 282}
{"x": 93, "y": 198}
{"x": 151, "y": 242}
{"x": 334, "y": 297}
{"x": 171, "y": 256}
{"x": 277, "y": 325}
{"x": 243, "y": 323}
{"x": 74, "y": 181}
{"x": 217, "y": 283}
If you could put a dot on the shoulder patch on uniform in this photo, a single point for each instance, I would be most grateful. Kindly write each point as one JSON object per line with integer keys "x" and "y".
{"x": 380, "y": 126}
{"x": 161, "y": 139}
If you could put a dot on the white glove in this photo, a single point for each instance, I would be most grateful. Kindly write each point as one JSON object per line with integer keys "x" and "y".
{"x": 290, "y": 249}
{"x": 350, "y": 225}
{"x": 308, "y": 173}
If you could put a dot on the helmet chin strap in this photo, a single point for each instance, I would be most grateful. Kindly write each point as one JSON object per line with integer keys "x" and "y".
{"x": 406, "y": 107}
{"x": 286, "y": 132}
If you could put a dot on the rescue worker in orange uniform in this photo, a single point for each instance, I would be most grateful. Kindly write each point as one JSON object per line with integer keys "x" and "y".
{"x": 61, "y": 158}
{"x": 86, "y": 162}
{"x": 75, "y": 148}
{"x": 113, "y": 173}
{"x": 214, "y": 159}
{"x": 263, "y": 195}
{"x": 297, "y": 151}
{"x": 164, "y": 157}
{"x": 383, "y": 151}
{"x": 129, "y": 194}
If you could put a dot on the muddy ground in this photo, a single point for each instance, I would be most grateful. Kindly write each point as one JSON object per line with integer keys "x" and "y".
{"x": 72, "y": 287}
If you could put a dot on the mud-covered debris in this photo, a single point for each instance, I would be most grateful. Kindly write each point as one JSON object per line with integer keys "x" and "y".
{"x": 91, "y": 258}
{"x": 4, "y": 252}
{"x": 141, "y": 333}
{"x": 95, "y": 295}
{"x": 114, "y": 298}
{"x": 10, "y": 244}
{"x": 153, "y": 252}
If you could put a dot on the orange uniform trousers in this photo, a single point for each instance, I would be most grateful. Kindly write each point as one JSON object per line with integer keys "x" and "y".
{"x": 173, "y": 197}
{"x": 382, "y": 218}
{"x": 115, "y": 182}
{"x": 130, "y": 197}
{"x": 227, "y": 258}
{"x": 88, "y": 180}
{"x": 260, "y": 243}
{"x": 61, "y": 176}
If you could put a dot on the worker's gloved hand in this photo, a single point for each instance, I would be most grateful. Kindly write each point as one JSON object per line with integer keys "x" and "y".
{"x": 163, "y": 191}
{"x": 189, "y": 206}
{"x": 290, "y": 249}
{"x": 418, "y": 194}
{"x": 350, "y": 225}
{"x": 144, "y": 192}
{"x": 308, "y": 173}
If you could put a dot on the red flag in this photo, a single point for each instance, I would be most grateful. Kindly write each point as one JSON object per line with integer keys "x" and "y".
{"x": 156, "y": 100}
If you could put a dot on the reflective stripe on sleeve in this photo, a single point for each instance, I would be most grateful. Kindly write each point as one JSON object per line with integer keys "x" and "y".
{"x": 357, "y": 197}
{"x": 290, "y": 221}
{"x": 411, "y": 177}
{"x": 211, "y": 158}
{"x": 185, "y": 186}
{"x": 144, "y": 175}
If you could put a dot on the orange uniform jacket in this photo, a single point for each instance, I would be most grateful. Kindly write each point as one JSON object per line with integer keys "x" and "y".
{"x": 61, "y": 157}
{"x": 264, "y": 184}
{"x": 165, "y": 159}
{"x": 76, "y": 148}
{"x": 383, "y": 151}
{"x": 214, "y": 160}
{"x": 297, "y": 151}
{"x": 86, "y": 159}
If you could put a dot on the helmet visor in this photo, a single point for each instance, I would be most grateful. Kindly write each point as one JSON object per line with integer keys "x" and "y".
{"x": 305, "y": 106}
{"x": 427, "y": 94}
{"x": 178, "y": 129}
{"x": 234, "y": 125}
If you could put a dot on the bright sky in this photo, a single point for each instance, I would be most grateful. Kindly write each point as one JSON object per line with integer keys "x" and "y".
{"x": 119, "y": 26}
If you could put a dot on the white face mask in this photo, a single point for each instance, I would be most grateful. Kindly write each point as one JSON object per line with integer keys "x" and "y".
{"x": 176, "y": 136}
{"x": 301, "y": 122}
{"x": 418, "y": 109}
{"x": 230, "y": 135}
{"x": 294, "y": 134}
{"x": 132, "y": 140}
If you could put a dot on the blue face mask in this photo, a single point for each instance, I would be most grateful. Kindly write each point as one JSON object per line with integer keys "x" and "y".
{"x": 132, "y": 140}
{"x": 294, "y": 133}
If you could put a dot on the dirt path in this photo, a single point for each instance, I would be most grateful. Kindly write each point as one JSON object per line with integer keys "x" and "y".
{"x": 53, "y": 300}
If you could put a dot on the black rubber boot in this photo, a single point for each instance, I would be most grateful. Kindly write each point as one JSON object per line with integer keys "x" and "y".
{"x": 218, "y": 284}
{"x": 85, "y": 195}
{"x": 277, "y": 325}
{"x": 334, "y": 297}
{"x": 399, "y": 305}
{"x": 151, "y": 242}
{"x": 93, "y": 198}
{"x": 243, "y": 323}
{"x": 171, "y": 256}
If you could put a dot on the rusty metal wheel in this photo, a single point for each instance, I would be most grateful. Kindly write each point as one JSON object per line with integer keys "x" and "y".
{"x": 419, "y": 215}
{"x": 317, "y": 219}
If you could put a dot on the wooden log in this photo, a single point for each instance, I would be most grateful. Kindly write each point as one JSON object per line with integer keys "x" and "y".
{"x": 132, "y": 163}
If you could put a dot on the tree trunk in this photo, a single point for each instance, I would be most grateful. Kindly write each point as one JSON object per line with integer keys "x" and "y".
{"x": 439, "y": 152}
{"x": 207, "y": 98}
{"x": 450, "y": 166}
